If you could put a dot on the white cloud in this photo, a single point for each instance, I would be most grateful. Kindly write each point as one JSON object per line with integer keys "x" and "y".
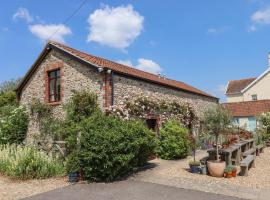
{"x": 217, "y": 30}
{"x": 23, "y": 13}
{"x": 55, "y": 32}
{"x": 148, "y": 66}
{"x": 144, "y": 65}
{"x": 252, "y": 28}
{"x": 125, "y": 62}
{"x": 5, "y": 29}
{"x": 115, "y": 27}
{"x": 261, "y": 16}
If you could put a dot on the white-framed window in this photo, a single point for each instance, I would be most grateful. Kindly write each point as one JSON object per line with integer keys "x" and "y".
{"x": 254, "y": 97}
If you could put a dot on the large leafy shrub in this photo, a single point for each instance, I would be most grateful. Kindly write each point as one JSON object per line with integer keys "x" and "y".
{"x": 173, "y": 141}
{"x": 13, "y": 124}
{"x": 81, "y": 105}
{"x": 263, "y": 130}
{"x": 28, "y": 163}
{"x": 7, "y": 93}
{"x": 110, "y": 147}
{"x": 8, "y": 98}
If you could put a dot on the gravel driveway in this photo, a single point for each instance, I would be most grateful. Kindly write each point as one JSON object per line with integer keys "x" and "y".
{"x": 15, "y": 189}
{"x": 175, "y": 173}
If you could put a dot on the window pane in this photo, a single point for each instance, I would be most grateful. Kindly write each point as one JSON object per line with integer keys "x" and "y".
{"x": 52, "y": 84}
{"x": 58, "y": 89}
{"x": 52, "y": 99}
{"x": 52, "y": 74}
{"x": 58, "y": 73}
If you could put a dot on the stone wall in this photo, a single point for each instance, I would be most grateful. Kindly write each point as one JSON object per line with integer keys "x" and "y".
{"x": 125, "y": 87}
{"x": 75, "y": 77}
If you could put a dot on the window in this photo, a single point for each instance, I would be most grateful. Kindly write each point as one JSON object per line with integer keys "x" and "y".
{"x": 254, "y": 97}
{"x": 54, "y": 86}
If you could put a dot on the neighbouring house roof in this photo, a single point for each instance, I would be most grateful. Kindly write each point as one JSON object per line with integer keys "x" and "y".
{"x": 248, "y": 108}
{"x": 107, "y": 64}
{"x": 236, "y": 86}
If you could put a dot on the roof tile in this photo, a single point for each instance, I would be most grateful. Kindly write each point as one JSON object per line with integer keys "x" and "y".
{"x": 120, "y": 68}
{"x": 236, "y": 86}
{"x": 248, "y": 108}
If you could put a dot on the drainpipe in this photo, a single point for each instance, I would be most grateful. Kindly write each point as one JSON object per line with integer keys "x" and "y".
{"x": 112, "y": 84}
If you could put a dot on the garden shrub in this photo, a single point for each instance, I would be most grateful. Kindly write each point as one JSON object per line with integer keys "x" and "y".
{"x": 81, "y": 105}
{"x": 13, "y": 124}
{"x": 110, "y": 147}
{"x": 174, "y": 141}
{"x": 8, "y": 98}
{"x": 25, "y": 162}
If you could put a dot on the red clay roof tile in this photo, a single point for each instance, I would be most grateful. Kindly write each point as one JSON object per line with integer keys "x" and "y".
{"x": 236, "y": 86}
{"x": 123, "y": 69}
{"x": 248, "y": 108}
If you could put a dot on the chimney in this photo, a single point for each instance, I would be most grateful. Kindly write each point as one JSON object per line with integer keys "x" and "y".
{"x": 269, "y": 59}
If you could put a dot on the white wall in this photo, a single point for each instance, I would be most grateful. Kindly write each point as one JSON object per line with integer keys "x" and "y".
{"x": 261, "y": 88}
{"x": 235, "y": 98}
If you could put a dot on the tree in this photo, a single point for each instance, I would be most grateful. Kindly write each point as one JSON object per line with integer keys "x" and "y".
{"x": 10, "y": 85}
{"x": 217, "y": 121}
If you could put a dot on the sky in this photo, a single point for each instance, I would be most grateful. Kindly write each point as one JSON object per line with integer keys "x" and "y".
{"x": 202, "y": 43}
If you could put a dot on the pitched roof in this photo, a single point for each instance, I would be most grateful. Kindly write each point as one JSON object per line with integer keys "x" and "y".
{"x": 117, "y": 68}
{"x": 248, "y": 108}
{"x": 236, "y": 86}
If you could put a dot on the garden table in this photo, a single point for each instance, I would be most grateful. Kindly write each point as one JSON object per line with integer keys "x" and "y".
{"x": 234, "y": 152}
{"x": 229, "y": 155}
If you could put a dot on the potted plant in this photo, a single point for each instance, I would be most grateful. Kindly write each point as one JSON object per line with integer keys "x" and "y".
{"x": 194, "y": 165}
{"x": 73, "y": 168}
{"x": 228, "y": 172}
{"x": 217, "y": 121}
{"x": 234, "y": 171}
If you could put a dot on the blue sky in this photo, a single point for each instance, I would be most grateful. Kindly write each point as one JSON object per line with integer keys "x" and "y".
{"x": 203, "y": 43}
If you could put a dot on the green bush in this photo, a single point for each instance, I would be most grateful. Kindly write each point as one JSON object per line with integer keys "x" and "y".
{"x": 13, "y": 124}
{"x": 24, "y": 162}
{"x": 8, "y": 98}
{"x": 81, "y": 105}
{"x": 173, "y": 141}
{"x": 110, "y": 147}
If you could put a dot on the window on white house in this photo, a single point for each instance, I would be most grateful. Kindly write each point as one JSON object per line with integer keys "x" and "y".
{"x": 254, "y": 97}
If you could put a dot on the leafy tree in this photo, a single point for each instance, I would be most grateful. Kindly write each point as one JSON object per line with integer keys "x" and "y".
{"x": 217, "y": 121}
{"x": 10, "y": 85}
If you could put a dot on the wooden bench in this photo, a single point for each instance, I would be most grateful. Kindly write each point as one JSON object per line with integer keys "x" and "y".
{"x": 259, "y": 149}
{"x": 249, "y": 152}
{"x": 247, "y": 163}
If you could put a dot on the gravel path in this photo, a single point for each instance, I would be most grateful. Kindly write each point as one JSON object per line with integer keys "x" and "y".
{"x": 14, "y": 189}
{"x": 175, "y": 173}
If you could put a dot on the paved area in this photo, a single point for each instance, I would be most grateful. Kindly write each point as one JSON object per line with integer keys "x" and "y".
{"x": 175, "y": 173}
{"x": 126, "y": 190}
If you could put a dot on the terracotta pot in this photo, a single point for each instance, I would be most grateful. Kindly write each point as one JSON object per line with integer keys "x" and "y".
{"x": 229, "y": 175}
{"x": 234, "y": 173}
{"x": 216, "y": 168}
